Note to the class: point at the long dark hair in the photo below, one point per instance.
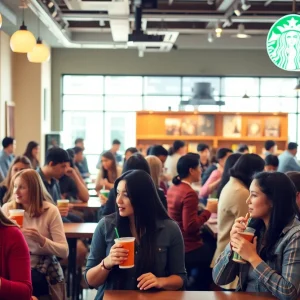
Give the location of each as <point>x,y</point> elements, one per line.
<point>148,209</point>
<point>176,146</point>
<point>281,191</point>
<point>28,152</point>
<point>114,173</point>
<point>230,162</point>
<point>136,162</point>
<point>246,166</point>
<point>185,163</point>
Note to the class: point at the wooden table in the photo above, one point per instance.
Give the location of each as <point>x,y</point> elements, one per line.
<point>136,295</point>
<point>92,203</point>
<point>93,193</point>
<point>73,232</point>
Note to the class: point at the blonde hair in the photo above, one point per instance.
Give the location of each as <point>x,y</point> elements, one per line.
<point>37,192</point>
<point>19,159</point>
<point>155,168</point>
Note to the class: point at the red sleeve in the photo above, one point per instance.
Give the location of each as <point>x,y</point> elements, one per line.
<point>18,259</point>
<point>190,220</point>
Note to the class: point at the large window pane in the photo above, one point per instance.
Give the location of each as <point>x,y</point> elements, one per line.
<point>188,84</point>
<point>273,104</point>
<point>240,104</point>
<point>121,126</point>
<point>292,127</point>
<point>278,87</point>
<point>82,102</point>
<point>86,125</point>
<point>123,85</point>
<point>161,103</point>
<point>162,85</point>
<point>81,85</point>
<point>120,103</point>
<point>236,86</point>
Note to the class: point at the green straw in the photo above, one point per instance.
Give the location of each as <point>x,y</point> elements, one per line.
<point>117,233</point>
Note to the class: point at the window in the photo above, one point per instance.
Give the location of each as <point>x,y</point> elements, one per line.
<point>102,108</point>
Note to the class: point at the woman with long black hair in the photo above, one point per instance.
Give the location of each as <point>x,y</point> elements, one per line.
<point>273,259</point>
<point>159,255</point>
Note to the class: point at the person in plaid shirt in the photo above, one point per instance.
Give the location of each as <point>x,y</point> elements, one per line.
<point>274,256</point>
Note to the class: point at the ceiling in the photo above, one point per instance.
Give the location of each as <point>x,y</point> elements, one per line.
<point>183,24</point>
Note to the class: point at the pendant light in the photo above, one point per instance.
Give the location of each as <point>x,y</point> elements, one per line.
<point>40,53</point>
<point>22,41</point>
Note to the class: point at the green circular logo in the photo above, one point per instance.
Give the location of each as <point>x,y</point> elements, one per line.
<point>283,43</point>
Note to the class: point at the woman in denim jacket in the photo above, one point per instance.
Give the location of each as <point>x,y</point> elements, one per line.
<point>274,256</point>
<point>159,248</point>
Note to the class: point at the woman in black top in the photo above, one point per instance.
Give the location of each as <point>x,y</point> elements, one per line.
<point>159,248</point>
<point>32,151</point>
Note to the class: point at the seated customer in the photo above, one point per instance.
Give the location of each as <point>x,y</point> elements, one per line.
<point>18,164</point>
<point>32,153</point>
<point>130,151</point>
<point>155,172</point>
<point>273,258</point>
<point>108,173</point>
<point>271,163</point>
<point>159,261</point>
<point>135,162</point>
<point>42,229</point>
<point>15,278</point>
<point>212,183</point>
<point>183,208</point>
<point>203,151</point>
<point>243,149</point>
<point>295,177</point>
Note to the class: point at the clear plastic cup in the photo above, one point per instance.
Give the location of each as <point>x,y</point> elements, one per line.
<point>17,215</point>
<point>63,203</point>
<point>128,243</point>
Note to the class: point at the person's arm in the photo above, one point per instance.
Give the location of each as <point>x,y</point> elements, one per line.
<point>58,244</point>
<point>284,286</point>
<point>82,193</point>
<point>293,165</point>
<point>18,286</point>
<point>225,269</point>
<point>175,265</point>
<point>190,219</point>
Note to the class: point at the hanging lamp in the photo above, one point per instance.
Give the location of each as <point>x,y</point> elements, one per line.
<point>22,41</point>
<point>40,52</point>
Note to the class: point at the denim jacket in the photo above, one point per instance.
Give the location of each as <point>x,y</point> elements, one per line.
<point>169,257</point>
<point>280,276</point>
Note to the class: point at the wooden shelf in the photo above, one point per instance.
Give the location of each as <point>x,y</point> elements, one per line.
<point>251,139</point>
<point>175,137</point>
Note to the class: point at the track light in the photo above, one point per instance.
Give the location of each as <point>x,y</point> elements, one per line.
<point>238,9</point>
<point>210,2</point>
<point>218,30</point>
<point>210,37</point>
<point>227,23</point>
<point>141,53</point>
<point>245,5</point>
<point>102,23</point>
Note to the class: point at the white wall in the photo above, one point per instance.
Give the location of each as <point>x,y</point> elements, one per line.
<point>180,62</point>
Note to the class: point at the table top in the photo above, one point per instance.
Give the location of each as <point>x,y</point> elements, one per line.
<point>177,295</point>
<point>92,203</point>
<point>79,230</point>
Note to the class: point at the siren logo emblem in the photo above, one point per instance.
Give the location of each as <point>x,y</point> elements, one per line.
<point>283,43</point>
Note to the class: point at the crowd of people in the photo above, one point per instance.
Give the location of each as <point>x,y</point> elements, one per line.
<point>152,199</point>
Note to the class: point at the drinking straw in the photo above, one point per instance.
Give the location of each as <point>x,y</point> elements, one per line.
<point>117,233</point>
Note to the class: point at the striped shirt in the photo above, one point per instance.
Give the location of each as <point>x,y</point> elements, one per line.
<point>279,276</point>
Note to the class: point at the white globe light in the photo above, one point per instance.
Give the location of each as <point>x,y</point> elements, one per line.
<point>22,41</point>
<point>39,54</point>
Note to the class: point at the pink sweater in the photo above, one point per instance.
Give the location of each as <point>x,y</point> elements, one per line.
<point>214,176</point>
<point>50,225</point>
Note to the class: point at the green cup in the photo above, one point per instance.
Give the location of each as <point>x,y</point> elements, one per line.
<point>248,235</point>
<point>104,193</point>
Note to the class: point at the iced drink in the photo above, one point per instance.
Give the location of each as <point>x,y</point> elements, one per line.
<point>63,203</point>
<point>247,236</point>
<point>17,215</point>
<point>128,243</point>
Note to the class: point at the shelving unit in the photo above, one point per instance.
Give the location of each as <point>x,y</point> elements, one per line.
<point>150,130</point>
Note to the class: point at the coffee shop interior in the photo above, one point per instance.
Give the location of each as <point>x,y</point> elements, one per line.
<point>149,149</point>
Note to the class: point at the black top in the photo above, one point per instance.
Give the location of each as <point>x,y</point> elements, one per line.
<point>110,206</point>
<point>68,187</point>
<point>204,167</point>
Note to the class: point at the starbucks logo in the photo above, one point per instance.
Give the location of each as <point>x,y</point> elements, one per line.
<point>283,43</point>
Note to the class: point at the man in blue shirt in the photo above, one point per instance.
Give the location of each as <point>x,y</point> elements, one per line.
<point>82,165</point>
<point>7,154</point>
<point>287,160</point>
